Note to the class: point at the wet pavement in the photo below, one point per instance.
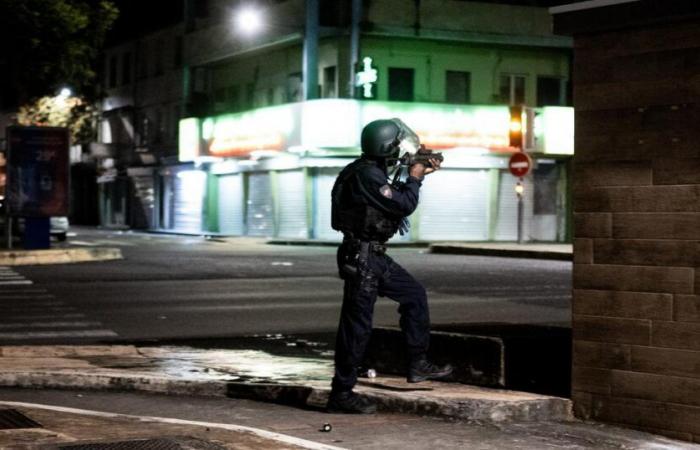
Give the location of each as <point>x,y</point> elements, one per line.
<point>256,374</point>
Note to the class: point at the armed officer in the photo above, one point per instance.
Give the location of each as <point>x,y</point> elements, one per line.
<point>369,210</point>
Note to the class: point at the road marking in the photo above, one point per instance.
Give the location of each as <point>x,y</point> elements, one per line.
<point>291,440</point>
<point>33,313</point>
<point>15,325</point>
<point>57,334</point>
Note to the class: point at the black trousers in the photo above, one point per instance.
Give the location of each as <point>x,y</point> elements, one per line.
<point>367,276</point>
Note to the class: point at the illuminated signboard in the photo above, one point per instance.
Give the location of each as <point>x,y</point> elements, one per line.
<point>367,78</point>
<point>334,125</point>
<point>259,130</point>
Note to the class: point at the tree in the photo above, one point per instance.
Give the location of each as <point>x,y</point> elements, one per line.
<point>50,43</point>
<point>73,113</point>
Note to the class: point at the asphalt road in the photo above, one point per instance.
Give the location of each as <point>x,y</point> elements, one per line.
<point>185,287</point>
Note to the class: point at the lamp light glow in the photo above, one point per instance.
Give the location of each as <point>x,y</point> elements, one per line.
<point>249,21</point>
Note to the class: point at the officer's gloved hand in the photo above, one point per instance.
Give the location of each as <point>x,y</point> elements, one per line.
<point>419,170</point>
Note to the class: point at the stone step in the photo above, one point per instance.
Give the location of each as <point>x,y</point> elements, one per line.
<point>526,358</point>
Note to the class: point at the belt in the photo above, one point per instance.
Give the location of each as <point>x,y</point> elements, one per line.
<point>368,246</point>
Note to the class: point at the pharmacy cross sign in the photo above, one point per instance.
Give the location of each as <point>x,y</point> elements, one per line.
<point>366,78</point>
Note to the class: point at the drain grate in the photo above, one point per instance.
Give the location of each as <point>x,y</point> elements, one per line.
<point>11,419</point>
<point>148,444</point>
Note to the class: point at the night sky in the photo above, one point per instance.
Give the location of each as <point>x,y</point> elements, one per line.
<point>137,17</point>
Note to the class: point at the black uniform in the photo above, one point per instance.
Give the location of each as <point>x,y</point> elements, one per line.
<point>368,210</point>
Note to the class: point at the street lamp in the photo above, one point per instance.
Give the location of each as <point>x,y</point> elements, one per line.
<point>249,21</point>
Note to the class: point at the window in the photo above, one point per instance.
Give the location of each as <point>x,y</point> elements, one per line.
<point>329,84</point>
<point>177,56</point>
<point>112,82</point>
<point>550,91</point>
<point>401,84</point>
<point>457,87</point>
<point>512,89</point>
<point>126,68</point>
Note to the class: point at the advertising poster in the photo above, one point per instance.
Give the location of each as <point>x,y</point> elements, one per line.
<point>38,171</point>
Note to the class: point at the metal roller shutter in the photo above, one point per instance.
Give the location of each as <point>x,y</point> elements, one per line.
<point>292,205</point>
<point>454,206</point>
<point>259,213</point>
<point>323,185</point>
<point>230,205</point>
<point>507,219</point>
<point>189,192</point>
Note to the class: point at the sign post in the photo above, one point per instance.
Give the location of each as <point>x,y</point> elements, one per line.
<point>520,164</point>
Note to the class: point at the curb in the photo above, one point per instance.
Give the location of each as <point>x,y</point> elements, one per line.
<point>308,396</point>
<point>510,253</point>
<point>58,256</point>
<point>322,243</point>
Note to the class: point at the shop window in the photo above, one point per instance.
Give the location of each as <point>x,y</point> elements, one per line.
<point>401,84</point>
<point>512,89</point>
<point>126,68</point>
<point>112,81</point>
<point>550,91</point>
<point>457,87</point>
<point>329,83</point>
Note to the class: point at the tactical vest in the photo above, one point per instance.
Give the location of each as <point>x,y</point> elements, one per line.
<point>358,220</point>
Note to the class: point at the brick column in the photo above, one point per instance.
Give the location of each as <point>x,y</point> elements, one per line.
<point>636,300</point>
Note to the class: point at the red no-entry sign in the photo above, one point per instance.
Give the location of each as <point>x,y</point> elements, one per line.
<point>520,164</point>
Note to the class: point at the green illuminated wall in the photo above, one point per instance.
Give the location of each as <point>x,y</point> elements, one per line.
<point>430,60</point>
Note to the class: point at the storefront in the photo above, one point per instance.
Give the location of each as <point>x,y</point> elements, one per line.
<point>269,172</point>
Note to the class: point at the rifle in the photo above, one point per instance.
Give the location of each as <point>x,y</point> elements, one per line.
<point>422,156</point>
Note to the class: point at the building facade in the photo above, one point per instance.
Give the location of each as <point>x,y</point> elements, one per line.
<point>271,116</point>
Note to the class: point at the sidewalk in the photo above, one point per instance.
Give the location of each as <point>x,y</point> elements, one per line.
<point>493,419</point>
<point>257,375</point>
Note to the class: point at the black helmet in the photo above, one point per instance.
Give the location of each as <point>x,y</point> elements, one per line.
<point>380,139</point>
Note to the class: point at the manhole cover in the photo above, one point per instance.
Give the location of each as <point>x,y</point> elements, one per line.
<point>148,444</point>
<point>11,419</point>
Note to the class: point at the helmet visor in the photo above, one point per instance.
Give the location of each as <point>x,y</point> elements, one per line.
<point>408,139</point>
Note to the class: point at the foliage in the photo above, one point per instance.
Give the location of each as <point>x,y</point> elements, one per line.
<point>48,44</point>
<point>61,111</point>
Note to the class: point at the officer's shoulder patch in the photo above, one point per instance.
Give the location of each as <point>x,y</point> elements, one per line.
<point>386,191</point>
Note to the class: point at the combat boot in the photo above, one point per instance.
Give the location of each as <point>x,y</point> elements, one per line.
<point>348,402</point>
<point>422,370</point>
